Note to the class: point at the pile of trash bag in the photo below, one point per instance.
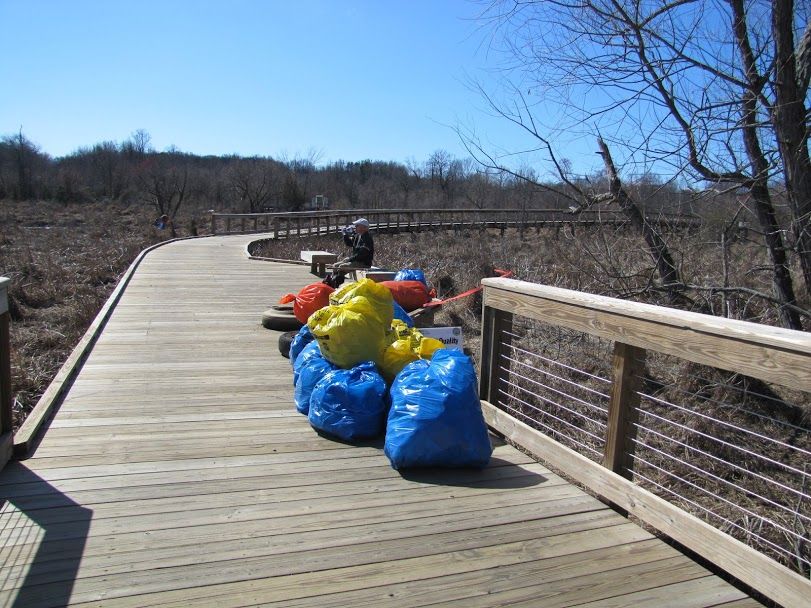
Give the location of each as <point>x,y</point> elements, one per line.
<point>309,299</point>
<point>435,418</point>
<point>350,403</point>
<point>360,341</point>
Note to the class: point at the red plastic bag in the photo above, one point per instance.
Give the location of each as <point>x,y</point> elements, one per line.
<point>411,295</point>
<point>311,298</point>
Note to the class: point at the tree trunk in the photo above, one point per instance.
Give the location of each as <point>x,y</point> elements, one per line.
<point>781,277</point>
<point>657,248</point>
<point>782,282</point>
<point>789,119</point>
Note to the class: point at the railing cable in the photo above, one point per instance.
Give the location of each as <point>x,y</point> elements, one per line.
<point>724,423</point>
<point>546,426</point>
<point>718,497</point>
<point>736,407</point>
<point>554,390</point>
<point>722,442</point>
<point>731,523</point>
<point>724,481</point>
<point>551,415</point>
<point>722,461</point>
<point>558,363</point>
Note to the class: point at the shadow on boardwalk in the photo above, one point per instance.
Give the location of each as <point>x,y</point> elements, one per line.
<point>44,536</point>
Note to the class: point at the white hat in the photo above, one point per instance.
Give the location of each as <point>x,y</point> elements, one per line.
<point>361,222</point>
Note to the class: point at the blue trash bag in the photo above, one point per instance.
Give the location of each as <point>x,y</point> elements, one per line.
<point>307,353</point>
<point>411,274</point>
<point>400,313</point>
<point>300,340</point>
<point>435,418</point>
<point>350,403</point>
<point>313,368</point>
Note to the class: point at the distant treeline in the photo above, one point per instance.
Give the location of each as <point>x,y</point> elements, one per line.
<point>132,172</point>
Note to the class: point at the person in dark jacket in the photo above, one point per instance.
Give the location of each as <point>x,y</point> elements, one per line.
<point>359,238</point>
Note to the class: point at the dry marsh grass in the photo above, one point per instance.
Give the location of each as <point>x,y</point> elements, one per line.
<point>63,262</point>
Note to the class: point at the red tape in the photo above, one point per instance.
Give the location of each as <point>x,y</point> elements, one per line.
<point>504,274</point>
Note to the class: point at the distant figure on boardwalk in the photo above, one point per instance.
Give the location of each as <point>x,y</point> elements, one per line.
<point>359,238</point>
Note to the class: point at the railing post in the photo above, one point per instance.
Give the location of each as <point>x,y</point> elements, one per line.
<point>214,223</point>
<point>6,420</point>
<point>228,224</point>
<point>494,343</point>
<point>623,408</point>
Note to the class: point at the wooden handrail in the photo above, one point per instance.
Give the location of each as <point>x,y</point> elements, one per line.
<point>770,354</point>
<point>416,218</point>
<point>6,419</point>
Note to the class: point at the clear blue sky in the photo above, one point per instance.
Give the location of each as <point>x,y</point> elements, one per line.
<point>353,79</point>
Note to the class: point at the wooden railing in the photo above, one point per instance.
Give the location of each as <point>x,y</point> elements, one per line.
<point>6,422</point>
<point>284,225</point>
<point>587,384</point>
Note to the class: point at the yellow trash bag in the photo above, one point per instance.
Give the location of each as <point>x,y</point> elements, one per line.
<point>378,295</point>
<point>408,345</point>
<point>350,333</point>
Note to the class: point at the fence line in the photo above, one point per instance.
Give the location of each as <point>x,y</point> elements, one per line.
<point>299,223</point>
<point>672,464</point>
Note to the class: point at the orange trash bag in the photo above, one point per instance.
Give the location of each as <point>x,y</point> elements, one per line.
<point>311,298</point>
<point>411,295</point>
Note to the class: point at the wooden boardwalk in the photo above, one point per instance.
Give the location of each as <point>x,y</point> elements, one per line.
<point>177,473</point>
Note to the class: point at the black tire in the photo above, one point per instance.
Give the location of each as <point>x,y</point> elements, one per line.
<point>279,320</point>
<point>284,343</point>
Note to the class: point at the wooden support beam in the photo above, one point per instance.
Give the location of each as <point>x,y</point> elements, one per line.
<point>495,338</point>
<point>623,408</point>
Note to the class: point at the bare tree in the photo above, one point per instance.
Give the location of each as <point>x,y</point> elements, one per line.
<point>256,182</point>
<point>163,183</point>
<point>18,160</point>
<point>686,86</point>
